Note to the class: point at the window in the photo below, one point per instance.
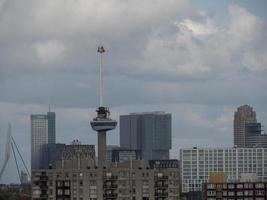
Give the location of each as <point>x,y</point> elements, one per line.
<point>60,192</point>
<point>81,183</point>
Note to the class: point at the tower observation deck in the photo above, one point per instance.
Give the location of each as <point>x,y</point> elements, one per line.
<point>102,123</point>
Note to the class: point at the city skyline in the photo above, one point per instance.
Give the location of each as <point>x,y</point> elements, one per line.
<point>201,88</point>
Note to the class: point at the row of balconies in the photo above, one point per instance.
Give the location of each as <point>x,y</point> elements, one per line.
<point>238,186</point>
<point>112,177</point>
<point>110,186</point>
<point>257,193</point>
<point>110,195</point>
<point>161,177</point>
<point>160,184</point>
<point>163,194</point>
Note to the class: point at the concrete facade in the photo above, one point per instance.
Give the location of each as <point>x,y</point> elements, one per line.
<point>123,181</point>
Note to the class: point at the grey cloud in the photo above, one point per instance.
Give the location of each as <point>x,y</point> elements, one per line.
<point>161,55</point>
<point>35,32</point>
<point>66,90</point>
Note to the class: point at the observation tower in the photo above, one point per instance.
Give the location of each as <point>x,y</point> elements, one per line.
<point>102,122</point>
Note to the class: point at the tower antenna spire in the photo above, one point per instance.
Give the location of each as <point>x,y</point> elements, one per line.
<point>101,50</point>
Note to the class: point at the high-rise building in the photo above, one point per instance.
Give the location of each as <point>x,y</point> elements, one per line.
<point>254,137</point>
<point>247,131</point>
<point>244,114</point>
<point>43,131</point>
<point>196,165</point>
<point>148,132</point>
<point>51,119</point>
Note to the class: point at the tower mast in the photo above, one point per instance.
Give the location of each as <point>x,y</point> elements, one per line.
<point>101,50</point>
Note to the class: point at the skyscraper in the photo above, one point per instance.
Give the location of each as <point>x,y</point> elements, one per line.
<point>43,131</point>
<point>243,115</point>
<point>51,119</point>
<point>254,138</point>
<point>148,132</point>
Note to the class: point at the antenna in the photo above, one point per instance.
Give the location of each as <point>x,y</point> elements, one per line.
<point>101,50</point>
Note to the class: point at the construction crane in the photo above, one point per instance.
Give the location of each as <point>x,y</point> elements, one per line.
<point>12,145</point>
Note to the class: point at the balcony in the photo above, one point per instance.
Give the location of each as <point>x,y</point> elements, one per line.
<point>110,195</point>
<point>43,187</point>
<point>161,193</point>
<point>110,186</point>
<point>161,184</point>
<point>43,196</point>
<point>110,177</point>
<point>43,178</point>
<point>161,177</point>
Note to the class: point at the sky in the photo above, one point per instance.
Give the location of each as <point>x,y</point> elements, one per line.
<point>197,59</point>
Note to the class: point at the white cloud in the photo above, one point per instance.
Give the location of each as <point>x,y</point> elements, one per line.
<point>197,28</point>
<point>208,49</point>
<point>51,51</point>
<point>244,25</point>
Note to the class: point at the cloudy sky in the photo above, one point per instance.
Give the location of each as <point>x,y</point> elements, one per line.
<point>197,59</point>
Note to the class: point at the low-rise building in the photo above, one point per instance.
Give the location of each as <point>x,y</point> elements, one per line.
<point>197,164</point>
<point>128,180</point>
<point>118,154</point>
<point>235,191</point>
<point>56,155</point>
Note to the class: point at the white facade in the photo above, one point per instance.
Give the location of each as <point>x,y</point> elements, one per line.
<point>196,164</point>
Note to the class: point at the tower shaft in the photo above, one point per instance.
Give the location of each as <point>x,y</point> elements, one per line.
<point>102,148</point>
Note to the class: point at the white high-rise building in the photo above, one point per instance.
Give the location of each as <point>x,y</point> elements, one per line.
<point>42,132</point>
<point>196,164</point>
